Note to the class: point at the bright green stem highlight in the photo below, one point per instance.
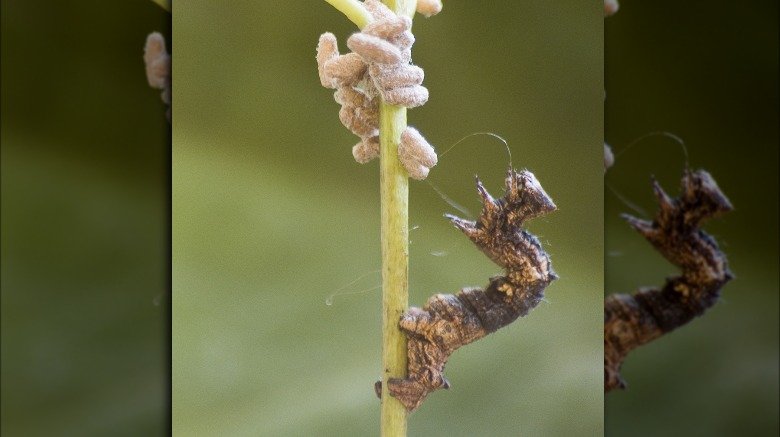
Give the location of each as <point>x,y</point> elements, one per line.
<point>165,4</point>
<point>395,262</point>
<point>354,10</point>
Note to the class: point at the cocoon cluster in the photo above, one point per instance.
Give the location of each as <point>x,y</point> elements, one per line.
<point>158,67</point>
<point>610,7</point>
<point>378,68</point>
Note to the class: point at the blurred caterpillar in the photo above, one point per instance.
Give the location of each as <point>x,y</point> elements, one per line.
<point>633,320</point>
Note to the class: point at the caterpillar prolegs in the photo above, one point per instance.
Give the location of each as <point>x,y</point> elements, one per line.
<point>447,322</point>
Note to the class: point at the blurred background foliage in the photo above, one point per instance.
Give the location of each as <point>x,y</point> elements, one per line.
<point>271,215</point>
<point>85,250</point>
<point>706,72</point>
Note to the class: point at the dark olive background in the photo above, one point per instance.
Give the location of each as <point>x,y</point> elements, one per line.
<point>706,72</point>
<point>271,215</point>
<point>85,239</point>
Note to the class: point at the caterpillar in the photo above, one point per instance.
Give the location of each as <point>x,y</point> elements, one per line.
<point>633,320</point>
<point>447,321</point>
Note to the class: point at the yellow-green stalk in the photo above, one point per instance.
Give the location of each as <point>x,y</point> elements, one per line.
<point>394,189</point>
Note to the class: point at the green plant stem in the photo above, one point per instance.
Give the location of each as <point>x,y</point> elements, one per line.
<point>354,10</point>
<point>165,4</point>
<point>402,7</point>
<point>394,188</point>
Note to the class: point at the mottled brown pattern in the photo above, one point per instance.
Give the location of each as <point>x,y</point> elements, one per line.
<point>633,320</point>
<point>447,321</point>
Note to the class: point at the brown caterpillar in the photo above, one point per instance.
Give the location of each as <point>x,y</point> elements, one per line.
<point>633,320</point>
<point>447,322</point>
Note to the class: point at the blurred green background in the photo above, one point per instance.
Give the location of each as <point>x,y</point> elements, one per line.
<point>706,72</point>
<point>85,192</point>
<point>271,215</point>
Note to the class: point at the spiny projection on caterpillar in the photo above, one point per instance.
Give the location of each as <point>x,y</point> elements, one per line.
<point>447,322</point>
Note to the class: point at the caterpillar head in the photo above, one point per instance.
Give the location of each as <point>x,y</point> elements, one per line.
<point>524,198</point>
